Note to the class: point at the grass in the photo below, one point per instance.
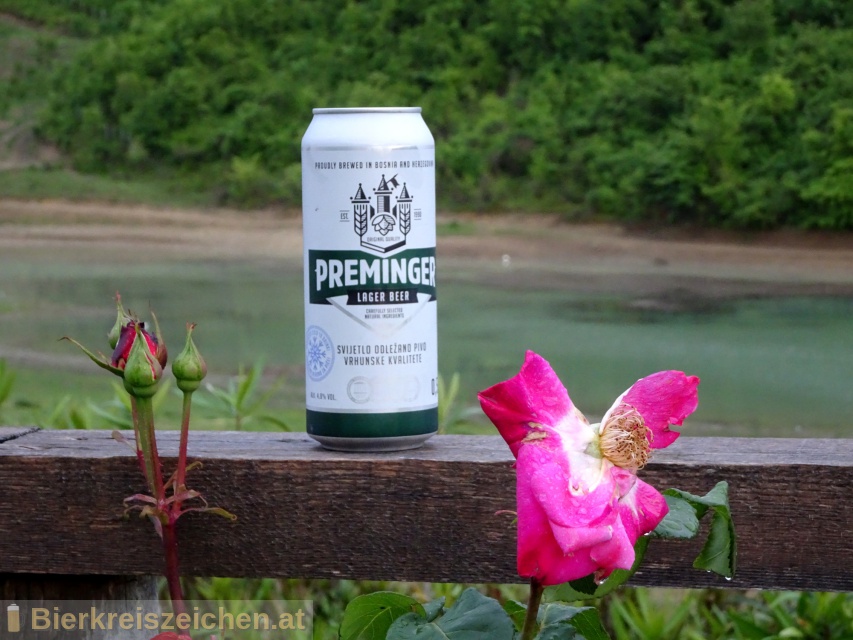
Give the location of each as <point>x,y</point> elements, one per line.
<point>66,184</point>
<point>456,228</point>
<point>46,398</point>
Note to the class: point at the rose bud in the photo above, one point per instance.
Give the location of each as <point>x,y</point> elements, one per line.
<point>127,338</point>
<point>142,369</point>
<point>189,368</point>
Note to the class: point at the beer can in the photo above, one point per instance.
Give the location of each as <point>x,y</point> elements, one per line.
<point>368,210</point>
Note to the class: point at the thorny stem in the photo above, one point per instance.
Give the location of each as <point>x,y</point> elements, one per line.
<point>173,574</point>
<point>528,632</point>
<point>145,440</point>
<point>139,457</point>
<point>170,538</point>
<point>185,434</point>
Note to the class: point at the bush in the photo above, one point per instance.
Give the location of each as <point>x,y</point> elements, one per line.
<point>722,112</point>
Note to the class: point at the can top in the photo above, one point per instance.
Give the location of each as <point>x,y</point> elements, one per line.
<point>367,110</point>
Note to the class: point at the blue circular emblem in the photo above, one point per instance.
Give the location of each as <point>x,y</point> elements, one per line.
<point>319,353</point>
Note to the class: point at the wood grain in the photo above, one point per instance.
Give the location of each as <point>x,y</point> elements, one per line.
<point>10,433</point>
<point>427,514</point>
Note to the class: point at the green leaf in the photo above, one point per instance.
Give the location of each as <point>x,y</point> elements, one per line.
<point>119,421</point>
<point>99,360</point>
<point>589,625</point>
<point>517,612</point>
<point>275,421</point>
<point>587,585</point>
<point>472,617</point>
<point>746,628</point>
<point>563,631</point>
<point>680,523</point>
<point>434,609</point>
<point>720,551</point>
<point>7,379</point>
<point>247,383</point>
<point>369,617</point>
<point>78,419</point>
<point>219,511</point>
<point>560,621</point>
<point>587,589</point>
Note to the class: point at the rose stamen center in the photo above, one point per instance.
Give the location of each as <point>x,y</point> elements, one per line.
<point>625,438</point>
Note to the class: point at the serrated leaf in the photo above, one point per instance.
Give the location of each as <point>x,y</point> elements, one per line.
<point>434,609</point>
<point>369,617</point>
<point>472,617</point>
<point>719,554</point>
<point>412,625</point>
<point>559,621</point>
<point>586,585</point>
<point>716,497</point>
<point>681,523</point>
<point>517,612</point>
<point>563,631</point>
<point>588,624</point>
<point>552,613</point>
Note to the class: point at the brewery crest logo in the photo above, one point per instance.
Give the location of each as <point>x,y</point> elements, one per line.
<point>319,353</point>
<point>384,226</point>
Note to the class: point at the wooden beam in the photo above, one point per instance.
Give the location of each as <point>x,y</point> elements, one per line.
<point>10,433</point>
<point>427,514</point>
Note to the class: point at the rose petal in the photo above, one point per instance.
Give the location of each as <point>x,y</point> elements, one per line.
<point>616,553</point>
<point>539,554</point>
<point>534,395</point>
<point>558,528</point>
<point>641,509</point>
<point>575,539</point>
<point>544,472</point>
<point>663,399</point>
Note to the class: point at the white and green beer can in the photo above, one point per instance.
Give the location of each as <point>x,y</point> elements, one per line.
<point>368,211</point>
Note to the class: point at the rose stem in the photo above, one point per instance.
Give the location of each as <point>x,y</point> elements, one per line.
<point>181,473</point>
<point>145,415</point>
<point>529,630</point>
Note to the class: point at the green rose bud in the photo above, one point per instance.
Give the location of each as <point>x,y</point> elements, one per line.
<point>142,371</point>
<point>122,318</point>
<point>189,368</point>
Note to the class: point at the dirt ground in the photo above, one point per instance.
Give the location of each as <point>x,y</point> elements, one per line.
<point>513,249</point>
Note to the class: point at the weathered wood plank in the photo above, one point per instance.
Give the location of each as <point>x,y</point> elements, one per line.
<point>427,514</point>
<point>10,433</point>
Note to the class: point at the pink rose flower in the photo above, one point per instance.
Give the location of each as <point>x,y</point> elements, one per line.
<point>581,507</point>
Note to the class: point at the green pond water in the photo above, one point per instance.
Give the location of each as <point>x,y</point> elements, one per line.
<point>769,367</point>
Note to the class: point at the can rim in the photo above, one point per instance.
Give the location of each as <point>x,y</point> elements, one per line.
<point>329,110</point>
